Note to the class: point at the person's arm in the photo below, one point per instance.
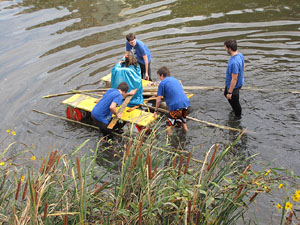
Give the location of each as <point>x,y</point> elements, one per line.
<point>145,57</point>
<point>132,92</point>
<point>158,101</point>
<point>113,109</point>
<point>232,85</point>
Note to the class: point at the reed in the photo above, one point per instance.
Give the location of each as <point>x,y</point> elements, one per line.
<point>75,189</point>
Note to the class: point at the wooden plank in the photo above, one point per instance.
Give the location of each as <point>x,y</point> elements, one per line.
<point>145,102</point>
<point>122,108</point>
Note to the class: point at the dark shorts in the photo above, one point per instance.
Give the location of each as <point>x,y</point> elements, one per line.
<point>177,117</point>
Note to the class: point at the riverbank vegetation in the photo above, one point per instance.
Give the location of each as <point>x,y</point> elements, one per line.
<point>138,182</point>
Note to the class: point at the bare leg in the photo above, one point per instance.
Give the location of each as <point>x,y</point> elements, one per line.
<point>169,130</point>
<point>185,127</point>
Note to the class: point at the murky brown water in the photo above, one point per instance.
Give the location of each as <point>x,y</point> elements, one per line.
<point>54,46</point>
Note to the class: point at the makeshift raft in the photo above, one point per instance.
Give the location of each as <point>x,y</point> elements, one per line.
<point>79,105</point>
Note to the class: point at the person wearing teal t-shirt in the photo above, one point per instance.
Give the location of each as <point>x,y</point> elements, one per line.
<point>234,76</point>
<point>172,91</point>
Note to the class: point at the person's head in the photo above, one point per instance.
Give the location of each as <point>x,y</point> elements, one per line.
<point>230,45</point>
<point>163,72</point>
<point>131,39</point>
<point>130,60</point>
<point>123,87</point>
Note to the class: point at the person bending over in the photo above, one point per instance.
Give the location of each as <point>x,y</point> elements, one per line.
<point>107,105</point>
<point>142,53</point>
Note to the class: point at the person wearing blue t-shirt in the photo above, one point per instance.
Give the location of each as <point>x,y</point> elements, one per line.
<point>172,91</point>
<point>141,52</point>
<point>234,76</point>
<point>107,105</point>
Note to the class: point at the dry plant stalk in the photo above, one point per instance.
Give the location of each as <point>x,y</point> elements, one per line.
<point>128,147</point>
<point>97,190</point>
<point>253,197</point>
<point>18,189</point>
<point>189,210</point>
<point>241,187</point>
<point>187,163</point>
<point>25,190</point>
<point>180,165</point>
<point>65,219</point>
<point>78,167</point>
<point>245,172</point>
<point>46,210</point>
<point>174,162</point>
<point>213,156</point>
<point>200,176</point>
<point>289,219</point>
<point>198,217</point>
<point>42,166</point>
<point>148,162</point>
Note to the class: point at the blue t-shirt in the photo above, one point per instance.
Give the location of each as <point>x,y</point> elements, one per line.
<point>235,65</point>
<point>172,91</point>
<point>139,50</point>
<point>101,111</point>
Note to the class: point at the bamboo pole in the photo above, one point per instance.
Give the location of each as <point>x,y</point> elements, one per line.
<point>248,88</point>
<point>128,138</point>
<point>201,121</point>
<point>149,90</point>
<point>71,92</point>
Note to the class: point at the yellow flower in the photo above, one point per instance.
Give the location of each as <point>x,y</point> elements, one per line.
<point>297,193</point>
<point>296,197</point>
<point>13,132</point>
<point>22,178</point>
<point>268,171</point>
<point>33,158</point>
<point>279,207</point>
<point>280,186</point>
<point>7,131</point>
<point>2,163</point>
<point>288,206</point>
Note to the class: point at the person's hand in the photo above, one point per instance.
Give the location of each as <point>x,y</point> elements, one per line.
<point>132,92</point>
<point>229,96</point>
<point>96,101</point>
<point>155,114</point>
<point>146,76</point>
<point>119,115</point>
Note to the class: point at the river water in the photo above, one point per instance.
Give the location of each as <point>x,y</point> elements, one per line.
<point>54,46</point>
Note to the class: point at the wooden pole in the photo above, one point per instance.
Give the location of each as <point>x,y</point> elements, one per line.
<point>173,152</point>
<point>154,88</point>
<point>200,121</point>
<point>121,110</point>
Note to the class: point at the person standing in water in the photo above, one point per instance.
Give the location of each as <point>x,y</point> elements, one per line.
<point>234,76</point>
<point>172,91</point>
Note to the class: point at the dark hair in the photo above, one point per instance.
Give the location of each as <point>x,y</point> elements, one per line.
<point>130,60</point>
<point>130,37</point>
<point>123,86</point>
<point>164,71</point>
<point>232,44</point>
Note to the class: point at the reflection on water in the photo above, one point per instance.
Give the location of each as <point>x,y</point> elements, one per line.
<point>54,46</point>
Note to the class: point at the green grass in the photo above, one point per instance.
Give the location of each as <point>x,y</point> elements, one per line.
<point>147,183</point>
